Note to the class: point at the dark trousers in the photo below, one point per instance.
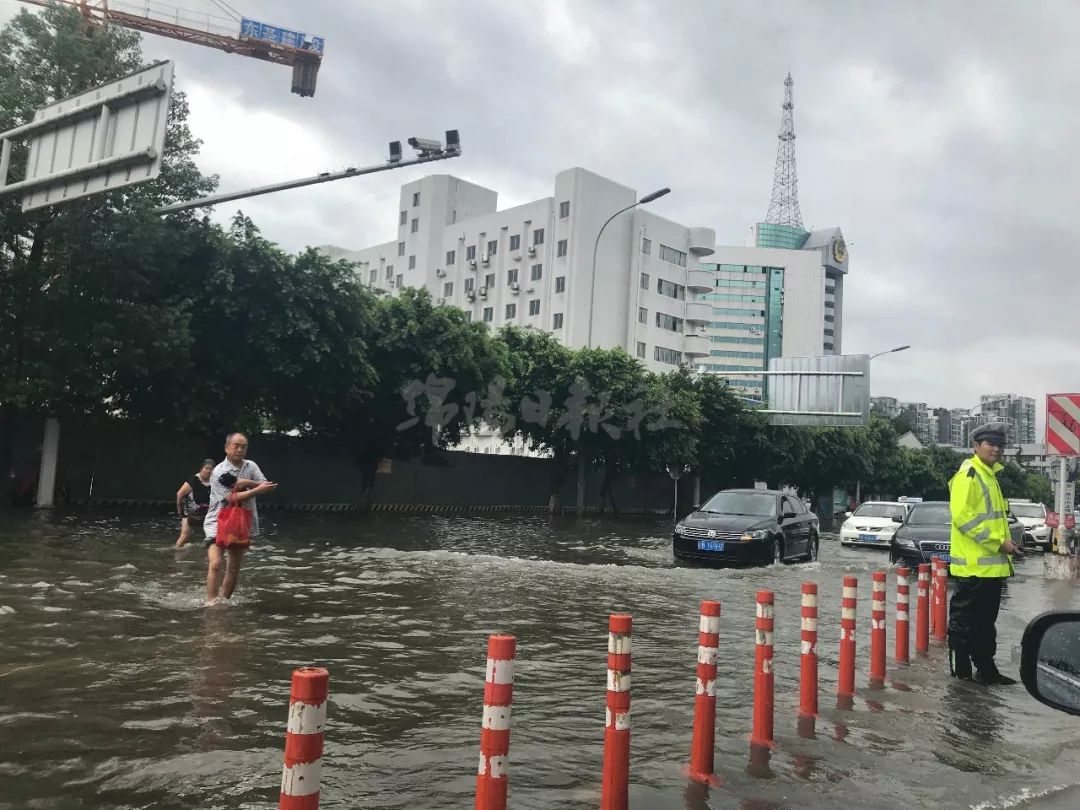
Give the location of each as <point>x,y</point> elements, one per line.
<point>972,614</point>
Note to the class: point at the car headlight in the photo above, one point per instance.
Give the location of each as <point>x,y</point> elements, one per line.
<point>757,534</point>
<point>906,542</point>
<point>679,527</point>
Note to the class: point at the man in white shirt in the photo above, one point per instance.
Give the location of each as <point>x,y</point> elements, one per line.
<point>242,476</point>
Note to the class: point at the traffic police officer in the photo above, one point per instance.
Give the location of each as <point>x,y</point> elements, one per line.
<point>979,558</point>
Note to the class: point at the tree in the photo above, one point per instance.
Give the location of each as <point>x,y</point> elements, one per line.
<point>723,430</point>
<point>77,300</point>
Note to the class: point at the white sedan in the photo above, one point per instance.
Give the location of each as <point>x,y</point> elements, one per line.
<point>872,524</point>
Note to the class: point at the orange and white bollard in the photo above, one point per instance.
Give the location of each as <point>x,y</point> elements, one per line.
<point>877,629</point>
<point>846,684</point>
<point>615,787</point>
<point>491,777</point>
<point>902,632</point>
<point>808,674</point>
<point>304,739</point>
<point>762,734</point>
<point>941,605</point>
<point>704,743</point>
<point>922,611</point>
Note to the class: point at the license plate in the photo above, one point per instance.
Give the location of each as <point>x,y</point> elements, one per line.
<point>868,538</point>
<point>710,545</point>
<point>941,555</point>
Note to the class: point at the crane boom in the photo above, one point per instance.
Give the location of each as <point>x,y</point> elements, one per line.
<point>305,63</point>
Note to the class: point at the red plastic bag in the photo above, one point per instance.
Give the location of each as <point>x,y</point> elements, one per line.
<point>234,526</point>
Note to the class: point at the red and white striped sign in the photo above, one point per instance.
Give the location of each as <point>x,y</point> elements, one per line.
<point>1063,424</point>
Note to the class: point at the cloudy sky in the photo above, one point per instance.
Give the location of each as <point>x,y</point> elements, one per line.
<point>940,136</point>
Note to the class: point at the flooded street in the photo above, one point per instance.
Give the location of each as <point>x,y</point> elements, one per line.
<point>119,689</point>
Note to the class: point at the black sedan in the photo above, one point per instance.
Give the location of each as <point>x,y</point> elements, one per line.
<point>747,526</point>
<point>926,531</point>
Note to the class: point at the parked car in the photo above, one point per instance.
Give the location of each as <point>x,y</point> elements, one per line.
<point>1033,518</point>
<point>872,524</point>
<point>925,532</point>
<point>748,526</point>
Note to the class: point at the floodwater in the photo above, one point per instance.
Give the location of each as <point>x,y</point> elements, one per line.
<point>119,689</point>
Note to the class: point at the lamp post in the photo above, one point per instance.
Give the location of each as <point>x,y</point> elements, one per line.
<point>890,351</point>
<point>648,198</point>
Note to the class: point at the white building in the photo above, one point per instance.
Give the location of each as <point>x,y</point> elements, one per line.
<point>1017,411</point>
<point>664,291</point>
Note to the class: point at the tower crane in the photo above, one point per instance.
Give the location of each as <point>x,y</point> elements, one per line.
<point>253,38</point>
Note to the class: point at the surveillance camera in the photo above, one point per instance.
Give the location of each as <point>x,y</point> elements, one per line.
<point>426,146</point>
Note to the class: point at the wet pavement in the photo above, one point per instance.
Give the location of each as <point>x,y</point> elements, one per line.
<point>119,689</point>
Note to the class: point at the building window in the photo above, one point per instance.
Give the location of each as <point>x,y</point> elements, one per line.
<point>830,304</point>
<point>489,314</point>
<point>669,356</point>
<point>560,284</point>
<point>400,282</point>
<point>669,322</point>
<point>561,248</point>
<point>564,209</point>
<point>451,257</point>
<point>642,315</point>
<point>400,248</point>
<point>515,242</point>
<point>470,253</point>
<point>669,254</point>
<point>534,306</point>
<point>538,236</point>
<point>448,289</point>
<point>678,291</point>
<point>740,355</point>
<point>537,272</point>
<point>556,321</point>
<point>511,311</point>
<point>468,316</point>
<point>389,271</point>
<point>469,285</point>
<point>404,218</point>
<point>644,281</point>
<point>646,245</point>
<point>641,350</point>
<point>829,332</point>
<point>374,275</point>
<point>489,280</point>
<point>412,262</point>
<point>830,319</point>
<point>512,276</point>
<point>415,199</point>
<point>415,225</point>
<point>493,247</point>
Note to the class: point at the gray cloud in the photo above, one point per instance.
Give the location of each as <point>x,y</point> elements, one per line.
<point>938,136</point>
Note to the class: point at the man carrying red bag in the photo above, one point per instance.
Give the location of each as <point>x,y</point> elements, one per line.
<point>233,517</point>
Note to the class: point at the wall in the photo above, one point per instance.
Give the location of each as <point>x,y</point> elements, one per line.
<point>118,461</point>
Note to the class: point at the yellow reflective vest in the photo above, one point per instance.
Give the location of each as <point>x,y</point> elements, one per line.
<point>980,522</point>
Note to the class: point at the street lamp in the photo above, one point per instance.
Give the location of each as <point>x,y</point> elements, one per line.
<point>648,198</point>
<point>890,351</point>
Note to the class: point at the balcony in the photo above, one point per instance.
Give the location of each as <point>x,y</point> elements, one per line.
<point>702,241</point>
<point>698,312</point>
<point>699,281</point>
<point>695,344</point>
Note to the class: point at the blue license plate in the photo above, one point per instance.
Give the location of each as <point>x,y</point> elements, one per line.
<point>710,545</point>
<point>941,555</point>
<point>868,538</point>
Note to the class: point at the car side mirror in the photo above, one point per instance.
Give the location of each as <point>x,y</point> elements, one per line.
<point>847,514</point>
<point>897,519</point>
<point>695,507</point>
<point>1050,660</point>
<point>788,516</point>
<point>1013,518</point>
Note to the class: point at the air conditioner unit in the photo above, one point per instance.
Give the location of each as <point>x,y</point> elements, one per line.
<point>486,259</point>
<point>517,257</point>
<point>530,289</point>
<point>515,286</point>
<point>532,250</point>
<point>440,272</point>
<point>483,292</point>
<point>472,263</point>
<point>471,295</point>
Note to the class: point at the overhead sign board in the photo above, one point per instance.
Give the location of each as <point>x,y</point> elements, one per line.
<point>1063,424</point>
<point>104,139</point>
<point>826,391</point>
<point>255,29</point>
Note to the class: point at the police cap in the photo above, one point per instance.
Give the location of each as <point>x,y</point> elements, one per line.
<point>993,432</point>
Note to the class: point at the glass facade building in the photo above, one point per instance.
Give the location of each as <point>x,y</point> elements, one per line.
<point>787,237</point>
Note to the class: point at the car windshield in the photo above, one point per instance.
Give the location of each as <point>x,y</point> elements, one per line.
<point>879,510</point>
<point>742,503</point>
<point>1028,510</point>
<point>930,514</point>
